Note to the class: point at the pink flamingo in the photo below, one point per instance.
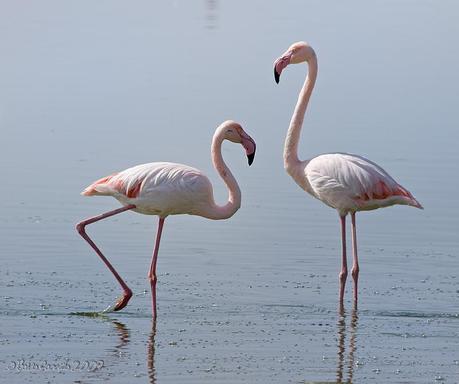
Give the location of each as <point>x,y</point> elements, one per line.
<point>165,189</point>
<point>348,183</point>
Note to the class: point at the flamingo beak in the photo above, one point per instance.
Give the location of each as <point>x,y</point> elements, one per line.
<point>250,158</point>
<point>276,75</point>
<point>280,64</point>
<point>250,147</point>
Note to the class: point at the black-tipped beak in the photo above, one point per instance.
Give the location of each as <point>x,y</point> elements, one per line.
<point>250,158</point>
<point>250,147</point>
<point>276,75</point>
<point>281,63</point>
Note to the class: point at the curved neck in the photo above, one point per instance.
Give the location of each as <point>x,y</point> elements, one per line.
<point>296,123</point>
<point>217,212</point>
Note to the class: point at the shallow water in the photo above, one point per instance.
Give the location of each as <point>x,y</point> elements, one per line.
<point>92,88</point>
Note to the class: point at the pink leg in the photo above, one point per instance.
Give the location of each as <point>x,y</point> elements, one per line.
<point>152,272</point>
<point>123,300</point>
<point>355,265</point>
<point>343,273</point>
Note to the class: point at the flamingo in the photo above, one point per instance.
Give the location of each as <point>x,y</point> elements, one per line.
<point>343,181</point>
<point>164,189</point>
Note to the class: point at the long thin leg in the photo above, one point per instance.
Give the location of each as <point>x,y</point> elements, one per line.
<point>355,264</point>
<point>343,273</point>
<point>80,227</point>
<point>152,272</point>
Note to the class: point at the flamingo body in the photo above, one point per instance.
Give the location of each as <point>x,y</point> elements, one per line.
<point>351,183</point>
<point>159,188</point>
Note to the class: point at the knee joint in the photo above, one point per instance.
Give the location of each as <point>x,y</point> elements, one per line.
<point>355,272</point>
<point>152,277</point>
<point>80,227</point>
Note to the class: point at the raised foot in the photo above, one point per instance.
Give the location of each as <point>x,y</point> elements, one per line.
<point>120,303</point>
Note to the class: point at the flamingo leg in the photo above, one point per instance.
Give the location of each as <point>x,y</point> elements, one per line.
<point>80,227</point>
<point>343,273</point>
<point>152,272</point>
<point>355,264</point>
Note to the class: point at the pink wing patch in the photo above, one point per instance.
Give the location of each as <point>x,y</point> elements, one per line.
<point>110,184</point>
<point>381,191</point>
<point>134,190</point>
<point>400,191</point>
<point>130,189</point>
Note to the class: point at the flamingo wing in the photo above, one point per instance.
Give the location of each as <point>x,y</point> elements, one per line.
<point>351,183</point>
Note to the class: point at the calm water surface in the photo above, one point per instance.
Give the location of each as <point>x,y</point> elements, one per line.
<point>90,88</point>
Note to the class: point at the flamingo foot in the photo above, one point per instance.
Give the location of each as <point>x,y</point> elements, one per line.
<point>120,303</point>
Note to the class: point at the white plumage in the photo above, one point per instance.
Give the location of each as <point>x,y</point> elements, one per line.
<point>159,188</point>
<point>352,183</point>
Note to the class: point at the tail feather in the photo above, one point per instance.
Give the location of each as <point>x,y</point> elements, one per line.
<point>415,203</point>
<point>411,200</point>
<point>88,191</point>
<point>100,187</point>
<point>384,194</point>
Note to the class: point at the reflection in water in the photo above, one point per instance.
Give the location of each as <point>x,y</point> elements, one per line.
<point>124,337</point>
<point>211,14</point>
<point>121,329</point>
<point>342,346</point>
<point>151,353</point>
<point>123,333</point>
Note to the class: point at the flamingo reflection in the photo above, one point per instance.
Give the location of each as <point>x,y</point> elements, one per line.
<point>151,354</point>
<point>340,371</point>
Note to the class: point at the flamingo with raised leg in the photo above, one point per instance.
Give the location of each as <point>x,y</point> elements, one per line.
<point>165,189</point>
<point>345,182</point>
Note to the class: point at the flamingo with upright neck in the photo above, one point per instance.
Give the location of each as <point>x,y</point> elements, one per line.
<point>345,182</point>
<point>165,189</point>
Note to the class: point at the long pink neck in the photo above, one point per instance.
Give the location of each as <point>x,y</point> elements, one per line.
<point>217,212</point>
<point>291,161</point>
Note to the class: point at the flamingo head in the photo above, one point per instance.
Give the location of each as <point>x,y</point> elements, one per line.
<point>297,53</point>
<point>233,132</point>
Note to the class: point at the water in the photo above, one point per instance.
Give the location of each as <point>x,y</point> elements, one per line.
<point>88,89</point>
